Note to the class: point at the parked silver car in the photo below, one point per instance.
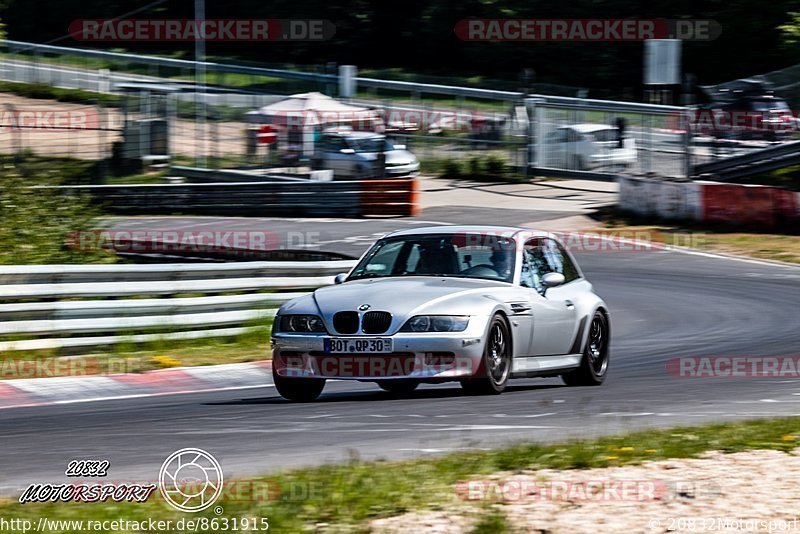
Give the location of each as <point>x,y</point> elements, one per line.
<point>586,146</point>
<point>472,304</point>
<point>355,155</point>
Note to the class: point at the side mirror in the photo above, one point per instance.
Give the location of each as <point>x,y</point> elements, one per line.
<point>552,280</point>
<point>341,277</point>
<point>347,151</point>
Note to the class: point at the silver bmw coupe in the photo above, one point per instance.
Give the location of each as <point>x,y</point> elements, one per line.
<point>474,304</point>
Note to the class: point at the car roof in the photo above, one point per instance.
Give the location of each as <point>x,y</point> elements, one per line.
<point>587,127</point>
<point>352,134</point>
<point>505,231</point>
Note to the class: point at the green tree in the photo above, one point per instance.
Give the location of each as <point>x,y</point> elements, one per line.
<point>36,223</point>
<point>790,34</point>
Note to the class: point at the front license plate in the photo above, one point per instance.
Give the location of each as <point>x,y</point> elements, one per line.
<point>361,345</point>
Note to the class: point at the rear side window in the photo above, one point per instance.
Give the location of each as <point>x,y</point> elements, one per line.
<point>573,136</point>
<point>557,136</point>
<point>333,143</point>
<point>606,135</point>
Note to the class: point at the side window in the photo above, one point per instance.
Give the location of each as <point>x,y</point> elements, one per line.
<point>558,261</point>
<point>533,265</point>
<point>556,136</point>
<point>573,136</point>
<point>333,143</point>
<point>528,276</point>
<point>546,256</point>
<point>570,271</point>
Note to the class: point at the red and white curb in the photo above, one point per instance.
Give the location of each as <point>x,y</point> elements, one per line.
<point>66,390</point>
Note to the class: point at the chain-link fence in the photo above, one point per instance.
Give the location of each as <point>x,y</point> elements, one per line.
<point>609,137</point>
<point>57,129</point>
<point>117,106</point>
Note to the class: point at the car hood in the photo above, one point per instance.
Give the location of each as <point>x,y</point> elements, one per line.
<point>402,296</point>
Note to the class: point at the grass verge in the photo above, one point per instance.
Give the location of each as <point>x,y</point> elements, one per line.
<point>705,236</point>
<point>345,497</point>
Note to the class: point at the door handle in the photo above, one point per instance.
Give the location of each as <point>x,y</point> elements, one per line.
<point>569,304</point>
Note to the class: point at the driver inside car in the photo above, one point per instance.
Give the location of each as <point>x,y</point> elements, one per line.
<point>501,262</point>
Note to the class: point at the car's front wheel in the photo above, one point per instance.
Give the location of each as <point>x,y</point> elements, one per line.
<point>298,389</point>
<point>594,364</point>
<point>495,367</point>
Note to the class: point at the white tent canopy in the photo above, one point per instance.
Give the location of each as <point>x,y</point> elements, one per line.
<point>310,109</point>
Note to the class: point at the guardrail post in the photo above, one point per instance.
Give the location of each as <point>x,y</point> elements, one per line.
<point>687,144</point>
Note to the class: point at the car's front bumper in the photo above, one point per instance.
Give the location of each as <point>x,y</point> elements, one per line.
<point>408,169</point>
<point>430,356</point>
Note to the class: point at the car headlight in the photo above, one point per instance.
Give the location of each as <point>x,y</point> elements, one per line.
<point>301,323</point>
<point>436,323</point>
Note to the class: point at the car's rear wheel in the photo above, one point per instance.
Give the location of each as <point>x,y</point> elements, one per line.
<point>298,389</point>
<point>398,387</point>
<point>496,364</point>
<point>594,364</point>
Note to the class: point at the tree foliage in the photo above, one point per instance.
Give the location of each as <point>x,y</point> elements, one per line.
<point>37,223</point>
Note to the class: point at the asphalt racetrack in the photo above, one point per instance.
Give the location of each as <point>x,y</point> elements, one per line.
<point>664,304</point>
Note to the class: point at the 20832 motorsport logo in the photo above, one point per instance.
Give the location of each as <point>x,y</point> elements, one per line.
<point>190,480</point>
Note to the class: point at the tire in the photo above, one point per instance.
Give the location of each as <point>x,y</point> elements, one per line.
<point>594,364</point>
<point>495,366</point>
<point>398,387</point>
<point>298,389</point>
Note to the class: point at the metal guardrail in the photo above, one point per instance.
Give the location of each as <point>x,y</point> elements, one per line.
<point>228,175</point>
<point>755,162</point>
<point>374,83</point>
<point>65,274</point>
<point>430,88</point>
<point>124,319</point>
<point>20,46</point>
<point>614,106</point>
<point>313,199</point>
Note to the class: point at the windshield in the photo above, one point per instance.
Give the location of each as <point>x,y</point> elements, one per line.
<point>370,144</point>
<point>770,105</point>
<point>463,255</point>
